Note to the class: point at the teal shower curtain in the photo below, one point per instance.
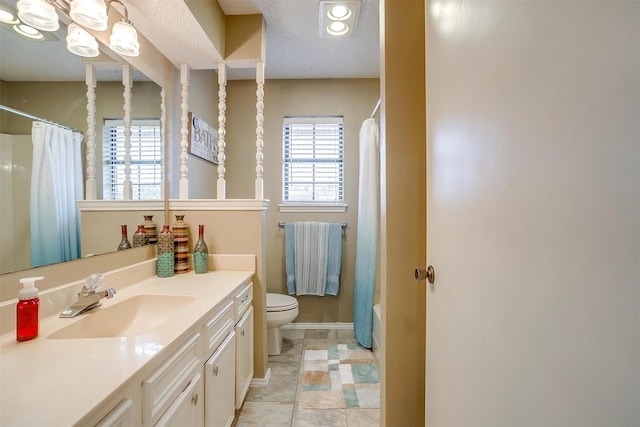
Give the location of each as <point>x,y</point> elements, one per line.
<point>367,236</point>
<point>56,184</point>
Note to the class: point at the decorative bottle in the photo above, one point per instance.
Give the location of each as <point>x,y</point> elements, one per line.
<point>181,232</point>
<point>124,243</point>
<point>165,248</point>
<point>140,237</point>
<point>200,253</point>
<point>27,321</point>
<point>151,229</point>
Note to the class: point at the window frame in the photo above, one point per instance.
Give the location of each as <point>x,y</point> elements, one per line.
<point>327,156</point>
<point>108,160</point>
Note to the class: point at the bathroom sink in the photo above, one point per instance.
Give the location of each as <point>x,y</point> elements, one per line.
<point>134,316</point>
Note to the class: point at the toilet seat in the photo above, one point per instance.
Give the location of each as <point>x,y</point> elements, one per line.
<point>279,302</point>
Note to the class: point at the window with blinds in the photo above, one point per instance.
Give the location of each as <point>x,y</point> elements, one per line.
<point>146,159</point>
<point>313,160</point>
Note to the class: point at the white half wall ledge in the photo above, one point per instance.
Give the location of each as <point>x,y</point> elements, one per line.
<point>218,205</point>
<point>120,205</point>
<point>330,325</point>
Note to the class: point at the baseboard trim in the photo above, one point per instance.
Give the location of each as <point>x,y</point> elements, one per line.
<point>261,382</point>
<point>334,325</point>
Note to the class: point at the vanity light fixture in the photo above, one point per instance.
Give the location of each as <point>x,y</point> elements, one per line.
<point>38,14</point>
<point>80,42</point>
<point>92,14</point>
<point>338,18</point>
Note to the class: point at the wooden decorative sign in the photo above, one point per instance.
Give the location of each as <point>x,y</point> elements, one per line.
<point>203,139</point>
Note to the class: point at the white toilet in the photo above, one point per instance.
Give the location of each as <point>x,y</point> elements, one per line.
<point>281,309</point>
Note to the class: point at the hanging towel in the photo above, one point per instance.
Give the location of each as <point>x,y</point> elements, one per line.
<point>289,255</point>
<point>313,258</point>
<point>334,259</point>
<point>311,250</point>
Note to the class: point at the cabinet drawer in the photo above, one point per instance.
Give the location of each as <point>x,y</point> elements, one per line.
<point>187,409</point>
<point>243,300</point>
<point>166,383</point>
<point>219,326</point>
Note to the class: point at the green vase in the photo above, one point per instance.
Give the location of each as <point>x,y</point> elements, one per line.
<point>201,253</point>
<point>165,261</point>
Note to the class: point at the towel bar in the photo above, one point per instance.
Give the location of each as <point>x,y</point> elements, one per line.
<point>281,224</point>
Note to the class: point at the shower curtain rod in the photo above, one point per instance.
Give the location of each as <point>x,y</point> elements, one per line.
<point>31,116</point>
<point>281,225</point>
<point>375,109</point>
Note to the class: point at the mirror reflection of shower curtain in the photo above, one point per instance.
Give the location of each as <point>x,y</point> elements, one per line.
<point>367,238</point>
<point>56,184</point>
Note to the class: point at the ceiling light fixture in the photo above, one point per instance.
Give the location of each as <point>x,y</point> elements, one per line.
<point>7,17</point>
<point>338,18</point>
<point>337,28</point>
<point>28,32</point>
<point>92,14</point>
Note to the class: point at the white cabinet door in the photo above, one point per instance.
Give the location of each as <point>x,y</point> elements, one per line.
<point>187,409</point>
<point>244,356</point>
<point>219,384</point>
<point>120,416</point>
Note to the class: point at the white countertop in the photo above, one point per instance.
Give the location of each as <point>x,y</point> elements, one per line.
<point>47,382</point>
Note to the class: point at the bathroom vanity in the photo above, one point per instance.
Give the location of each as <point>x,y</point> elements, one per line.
<point>164,351</point>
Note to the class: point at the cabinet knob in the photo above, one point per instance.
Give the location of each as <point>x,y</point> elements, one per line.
<point>215,371</point>
<point>194,399</point>
<point>242,332</point>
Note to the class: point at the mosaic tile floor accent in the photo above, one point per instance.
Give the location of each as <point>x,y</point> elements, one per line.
<point>339,376</point>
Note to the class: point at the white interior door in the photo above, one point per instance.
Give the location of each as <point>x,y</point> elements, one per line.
<point>533,210</point>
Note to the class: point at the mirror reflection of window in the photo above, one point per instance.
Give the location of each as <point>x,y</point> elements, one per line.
<point>146,159</point>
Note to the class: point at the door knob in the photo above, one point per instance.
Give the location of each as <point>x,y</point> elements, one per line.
<point>429,274</point>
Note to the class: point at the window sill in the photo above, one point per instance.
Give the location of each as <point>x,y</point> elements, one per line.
<point>312,207</point>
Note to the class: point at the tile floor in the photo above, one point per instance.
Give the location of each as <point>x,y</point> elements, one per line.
<point>278,404</point>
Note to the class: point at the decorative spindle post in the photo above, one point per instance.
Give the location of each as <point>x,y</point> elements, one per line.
<point>259,129</point>
<point>222,119</point>
<point>127,189</point>
<point>90,185</point>
<point>163,142</point>
<point>184,132</point>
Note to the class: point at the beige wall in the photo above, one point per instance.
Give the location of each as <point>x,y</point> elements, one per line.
<point>100,231</point>
<point>203,91</point>
<point>403,204</point>
<point>353,99</point>
<point>15,176</point>
<point>238,232</point>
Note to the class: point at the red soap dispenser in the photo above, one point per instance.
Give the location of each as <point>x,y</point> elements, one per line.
<point>27,310</point>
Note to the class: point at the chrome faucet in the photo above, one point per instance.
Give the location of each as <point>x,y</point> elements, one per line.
<point>88,298</point>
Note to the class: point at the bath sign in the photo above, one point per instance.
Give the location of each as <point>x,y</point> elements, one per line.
<point>203,139</point>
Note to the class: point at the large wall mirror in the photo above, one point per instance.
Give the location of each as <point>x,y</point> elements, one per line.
<point>43,79</point>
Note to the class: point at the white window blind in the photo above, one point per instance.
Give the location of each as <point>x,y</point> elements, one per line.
<point>146,159</point>
<point>313,160</point>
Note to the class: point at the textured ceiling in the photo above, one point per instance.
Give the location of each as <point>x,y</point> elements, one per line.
<point>294,47</point>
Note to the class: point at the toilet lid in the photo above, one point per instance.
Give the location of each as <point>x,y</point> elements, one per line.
<point>279,302</point>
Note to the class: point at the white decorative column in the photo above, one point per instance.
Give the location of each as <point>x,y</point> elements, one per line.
<point>163,146</point>
<point>90,184</point>
<point>127,82</point>
<point>222,120</point>
<point>259,129</point>
<point>184,132</point>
